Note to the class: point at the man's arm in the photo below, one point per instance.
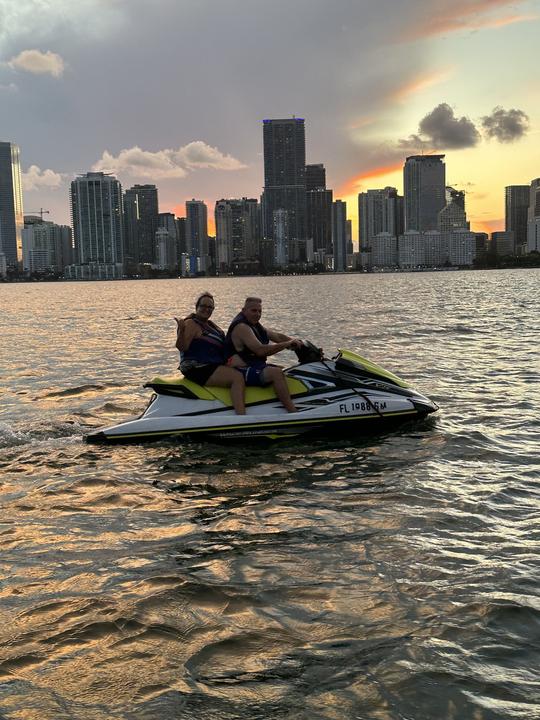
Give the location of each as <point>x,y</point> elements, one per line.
<point>243,336</point>
<point>280,337</point>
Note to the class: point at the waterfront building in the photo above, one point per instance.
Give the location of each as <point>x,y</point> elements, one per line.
<point>140,223</point>
<point>11,204</point>
<point>350,248</point>
<point>285,181</point>
<point>197,233</point>
<point>319,220</point>
<point>481,243</point>
<point>166,250</point>
<point>47,247</point>
<point>384,250</point>
<point>516,208</point>
<point>181,235</point>
<point>424,191</point>
<point>533,217</point>
<point>97,220</point>
<point>237,232</point>
<point>280,234</point>
<point>339,235</point>
<point>435,249</point>
<point>503,242</point>
<point>379,211</point>
<point>461,245</point>
<point>456,196</point>
<point>453,216</point>
<point>167,243</point>
<point>315,177</point>
<point>411,249</point>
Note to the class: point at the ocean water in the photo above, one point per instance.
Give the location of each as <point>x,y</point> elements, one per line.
<point>378,578</point>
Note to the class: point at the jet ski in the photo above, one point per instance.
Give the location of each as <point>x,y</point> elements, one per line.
<point>345,393</point>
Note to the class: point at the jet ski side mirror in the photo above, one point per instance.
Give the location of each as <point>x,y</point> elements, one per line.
<point>308,352</point>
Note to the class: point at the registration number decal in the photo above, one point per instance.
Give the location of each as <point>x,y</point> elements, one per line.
<point>354,406</point>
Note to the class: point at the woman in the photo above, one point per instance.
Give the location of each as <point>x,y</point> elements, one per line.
<point>203,353</point>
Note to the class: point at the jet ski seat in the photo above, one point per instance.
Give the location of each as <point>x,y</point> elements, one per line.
<point>186,388</point>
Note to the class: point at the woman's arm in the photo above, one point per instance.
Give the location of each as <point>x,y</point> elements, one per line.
<point>187,331</point>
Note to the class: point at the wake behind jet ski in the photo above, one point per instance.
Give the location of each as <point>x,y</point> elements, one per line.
<point>348,393</point>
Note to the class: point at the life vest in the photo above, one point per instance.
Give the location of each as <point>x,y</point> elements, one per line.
<point>208,348</point>
<point>246,354</point>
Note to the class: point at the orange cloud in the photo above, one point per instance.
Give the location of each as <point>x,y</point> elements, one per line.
<point>418,84</point>
<point>466,15</point>
<point>355,184</point>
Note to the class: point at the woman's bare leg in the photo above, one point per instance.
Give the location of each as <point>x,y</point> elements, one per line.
<point>227,377</point>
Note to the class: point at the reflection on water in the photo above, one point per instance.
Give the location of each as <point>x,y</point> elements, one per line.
<point>384,577</point>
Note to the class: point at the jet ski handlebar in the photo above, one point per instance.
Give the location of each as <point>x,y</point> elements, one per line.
<point>308,352</point>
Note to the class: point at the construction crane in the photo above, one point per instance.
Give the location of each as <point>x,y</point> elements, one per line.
<point>41,212</point>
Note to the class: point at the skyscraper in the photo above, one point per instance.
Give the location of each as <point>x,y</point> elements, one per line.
<point>141,222</point>
<point>315,177</point>
<point>533,217</point>
<point>379,211</point>
<point>11,204</point>
<point>339,235</point>
<point>516,207</point>
<point>237,231</point>
<point>424,190</point>
<point>197,231</point>
<point>285,181</point>
<point>96,212</point>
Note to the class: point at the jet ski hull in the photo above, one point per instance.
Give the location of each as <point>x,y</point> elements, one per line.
<point>347,395</point>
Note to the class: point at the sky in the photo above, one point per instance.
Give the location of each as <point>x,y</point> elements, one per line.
<point>173,92</point>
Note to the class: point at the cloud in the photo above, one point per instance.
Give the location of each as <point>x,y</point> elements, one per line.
<point>38,63</point>
<point>441,129</point>
<point>167,163</point>
<point>35,178</point>
<point>506,126</point>
<point>468,15</point>
<point>10,87</point>
<point>360,182</point>
<point>419,83</point>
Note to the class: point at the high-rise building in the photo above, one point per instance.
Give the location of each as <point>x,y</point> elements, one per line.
<point>453,195</point>
<point>533,217</point>
<point>319,220</point>
<point>452,216</point>
<point>424,184</point>
<point>237,232</point>
<point>285,181</point>
<point>11,204</point>
<point>167,242</point>
<point>339,235</point>
<point>197,232</point>
<point>140,223</point>
<point>47,247</point>
<point>315,177</point>
<point>281,238</point>
<point>503,242</point>
<point>97,214</point>
<point>516,208</point>
<point>379,211</point>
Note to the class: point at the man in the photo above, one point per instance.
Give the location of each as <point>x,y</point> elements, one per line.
<point>250,344</point>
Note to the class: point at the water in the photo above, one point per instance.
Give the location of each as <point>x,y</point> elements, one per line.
<point>390,577</point>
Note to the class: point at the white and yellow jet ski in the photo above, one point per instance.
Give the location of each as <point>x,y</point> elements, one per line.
<point>346,393</point>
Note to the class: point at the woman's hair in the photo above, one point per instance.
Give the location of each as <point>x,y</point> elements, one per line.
<point>201,296</point>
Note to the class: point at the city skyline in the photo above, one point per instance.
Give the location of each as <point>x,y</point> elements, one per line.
<point>375,84</point>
